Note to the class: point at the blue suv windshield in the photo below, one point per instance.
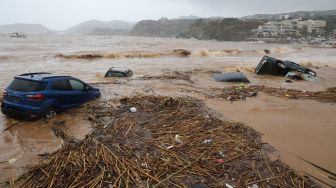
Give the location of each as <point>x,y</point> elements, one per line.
<point>27,85</point>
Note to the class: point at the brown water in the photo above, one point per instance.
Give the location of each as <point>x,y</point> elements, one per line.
<point>296,128</point>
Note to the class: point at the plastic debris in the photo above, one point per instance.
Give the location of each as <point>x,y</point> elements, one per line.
<point>208,141</point>
<point>12,161</point>
<point>228,185</point>
<point>178,140</point>
<point>133,109</point>
<point>254,186</point>
<point>220,161</point>
<point>242,86</point>
<point>253,93</point>
<point>169,147</point>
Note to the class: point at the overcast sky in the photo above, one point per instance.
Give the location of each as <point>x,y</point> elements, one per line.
<point>61,14</point>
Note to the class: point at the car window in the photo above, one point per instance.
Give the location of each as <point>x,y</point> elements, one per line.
<point>115,74</point>
<point>62,85</point>
<point>27,85</point>
<point>77,85</point>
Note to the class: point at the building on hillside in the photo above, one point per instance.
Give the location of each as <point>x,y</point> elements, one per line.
<point>290,28</point>
<point>281,29</point>
<point>316,26</point>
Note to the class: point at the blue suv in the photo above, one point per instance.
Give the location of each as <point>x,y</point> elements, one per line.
<point>35,95</point>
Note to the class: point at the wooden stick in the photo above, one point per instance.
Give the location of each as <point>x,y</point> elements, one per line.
<point>173,174</point>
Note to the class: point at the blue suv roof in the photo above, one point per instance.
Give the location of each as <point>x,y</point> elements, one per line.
<point>39,76</point>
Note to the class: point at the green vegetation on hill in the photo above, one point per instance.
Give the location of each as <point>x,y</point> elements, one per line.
<point>161,28</point>
<point>228,29</point>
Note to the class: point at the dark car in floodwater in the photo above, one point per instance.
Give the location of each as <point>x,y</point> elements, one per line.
<point>273,66</point>
<point>35,95</point>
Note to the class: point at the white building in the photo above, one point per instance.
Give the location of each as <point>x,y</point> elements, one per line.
<point>289,28</point>
<point>283,28</point>
<point>312,25</point>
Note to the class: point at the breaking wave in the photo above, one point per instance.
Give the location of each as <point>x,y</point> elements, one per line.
<point>282,50</point>
<point>175,52</point>
<point>214,53</point>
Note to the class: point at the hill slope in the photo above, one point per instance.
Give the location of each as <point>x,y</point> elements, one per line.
<point>96,27</point>
<point>162,27</point>
<point>228,29</point>
<point>26,28</point>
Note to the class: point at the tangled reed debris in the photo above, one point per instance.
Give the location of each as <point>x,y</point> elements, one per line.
<point>235,93</point>
<point>176,75</point>
<point>138,150</point>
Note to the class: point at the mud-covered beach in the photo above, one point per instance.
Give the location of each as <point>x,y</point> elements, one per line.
<point>297,119</point>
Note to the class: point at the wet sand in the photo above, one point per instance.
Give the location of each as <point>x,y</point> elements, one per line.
<point>296,128</point>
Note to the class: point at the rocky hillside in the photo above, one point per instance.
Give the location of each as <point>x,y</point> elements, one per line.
<point>25,28</point>
<point>228,29</point>
<point>162,27</point>
<point>96,27</point>
<point>296,14</point>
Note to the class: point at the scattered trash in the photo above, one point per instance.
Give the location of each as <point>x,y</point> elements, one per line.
<point>178,140</point>
<point>254,186</point>
<point>273,66</point>
<point>133,109</point>
<point>117,72</point>
<point>169,147</point>
<point>233,94</point>
<point>241,86</point>
<point>12,161</point>
<point>231,77</point>
<point>220,161</point>
<point>208,141</point>
<point>252,93</point>
<point>228,185</point>
<point>221,153</point>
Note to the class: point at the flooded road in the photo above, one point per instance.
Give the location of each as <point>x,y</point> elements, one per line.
<point>296,128</point>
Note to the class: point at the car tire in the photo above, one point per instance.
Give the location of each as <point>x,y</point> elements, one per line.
<point>50,113</point>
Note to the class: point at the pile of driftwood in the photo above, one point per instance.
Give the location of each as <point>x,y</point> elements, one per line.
<point>151,141</point>
<point>176,75</point>
<point>241,92</point>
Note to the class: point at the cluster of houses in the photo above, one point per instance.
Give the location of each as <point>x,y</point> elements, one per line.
<point>295,28</point>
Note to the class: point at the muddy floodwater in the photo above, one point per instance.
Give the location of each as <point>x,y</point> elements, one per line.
<point>297,129</point>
